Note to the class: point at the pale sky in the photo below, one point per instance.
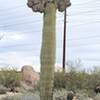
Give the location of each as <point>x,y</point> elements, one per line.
<point>22,31</point>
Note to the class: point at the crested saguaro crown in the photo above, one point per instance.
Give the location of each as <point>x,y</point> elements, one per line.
<point>39,5</point>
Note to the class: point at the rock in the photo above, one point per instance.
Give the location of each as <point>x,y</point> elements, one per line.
<point>90,99</point>
<point>29,76</point>
<point>25,87</point>
<point>97,97</point>
<point>3,89</point>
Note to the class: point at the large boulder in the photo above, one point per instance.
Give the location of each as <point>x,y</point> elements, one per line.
<point>29,76</point>
<point>3,89</point>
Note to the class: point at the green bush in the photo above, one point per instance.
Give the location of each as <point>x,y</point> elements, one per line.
<point>9,77</point>
<point>77,80</point>
<point>59,80</point>
<point>60,94</point>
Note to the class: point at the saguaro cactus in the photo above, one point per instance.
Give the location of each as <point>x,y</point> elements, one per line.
<point>40,5</point>
<point>48,52</point>
<point>48,49</point>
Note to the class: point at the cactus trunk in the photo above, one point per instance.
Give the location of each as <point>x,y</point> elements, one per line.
<point>48,52</point>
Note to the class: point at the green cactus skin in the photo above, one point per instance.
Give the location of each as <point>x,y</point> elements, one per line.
<point>48,52</point>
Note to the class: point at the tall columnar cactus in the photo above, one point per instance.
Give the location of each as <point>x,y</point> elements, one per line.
<point>48,52</point>
<point>40,5</point>
<point>48,49</point>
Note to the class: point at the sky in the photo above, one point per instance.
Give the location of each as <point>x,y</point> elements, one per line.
<point>21,30</point>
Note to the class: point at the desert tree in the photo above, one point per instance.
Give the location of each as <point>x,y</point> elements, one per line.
<point>48,48</point>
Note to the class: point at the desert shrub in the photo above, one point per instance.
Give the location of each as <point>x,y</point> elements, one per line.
<point>60,94</point>
<point>77,80</point>
<point>82,95</point>
<point>3,89</point>
<point>9,77</point>
<point>24,97</point>
<point>71,81</point>
<point>59,80</point>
